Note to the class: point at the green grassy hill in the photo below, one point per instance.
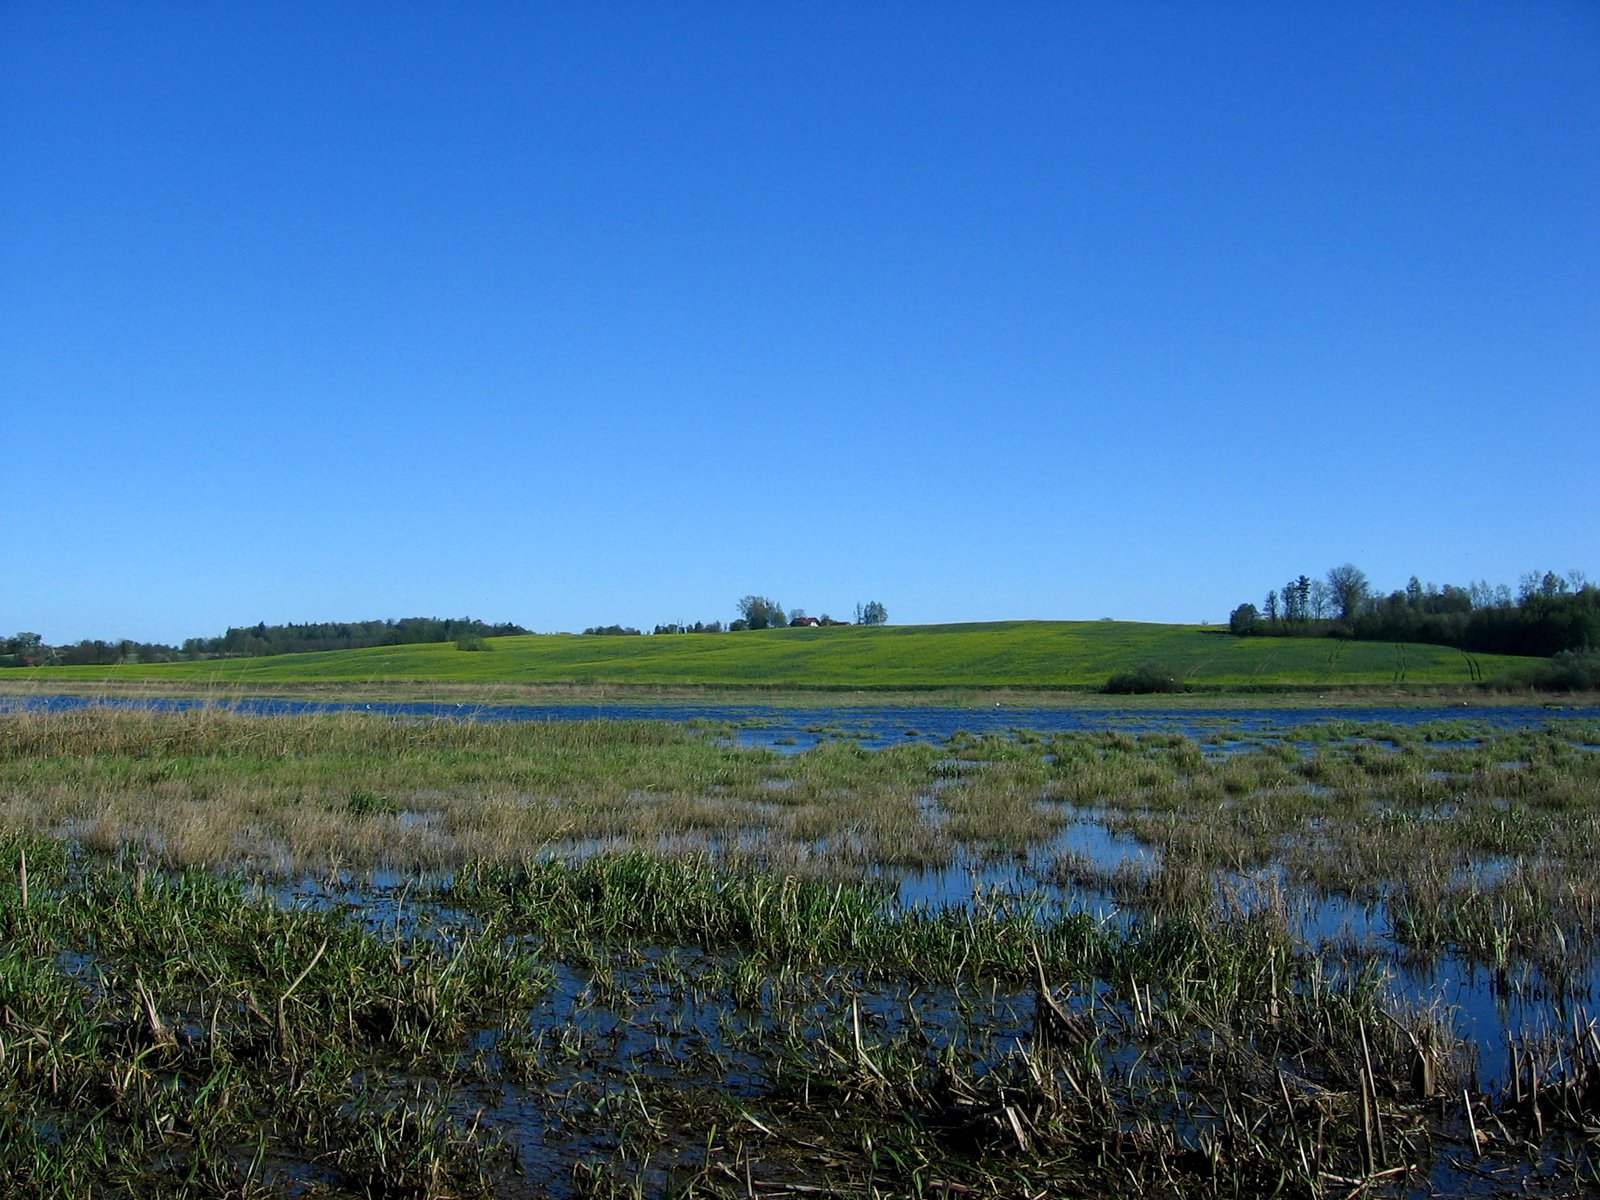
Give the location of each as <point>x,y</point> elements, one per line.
<point>1007,654</point>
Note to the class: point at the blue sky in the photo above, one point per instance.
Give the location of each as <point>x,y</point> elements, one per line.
<point>588,313</point>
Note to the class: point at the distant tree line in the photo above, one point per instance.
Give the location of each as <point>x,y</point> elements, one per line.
<point>252,641</point>
<point>1549,614</point>
<point>263,640</point>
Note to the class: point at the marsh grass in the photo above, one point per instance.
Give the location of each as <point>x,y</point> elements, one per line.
<point>711,1028</point>
<point>634,959</point>
<point>167,1032</point>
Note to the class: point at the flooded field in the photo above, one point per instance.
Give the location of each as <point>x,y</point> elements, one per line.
<point>768,954</point>
<point>793,728</point>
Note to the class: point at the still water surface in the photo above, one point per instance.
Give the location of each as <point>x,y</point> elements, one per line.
<point>795,729</point>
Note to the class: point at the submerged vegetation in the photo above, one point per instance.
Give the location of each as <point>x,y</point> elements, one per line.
<point>345,955</point>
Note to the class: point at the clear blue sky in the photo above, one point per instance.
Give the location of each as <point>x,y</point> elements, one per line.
<point>579,313</point>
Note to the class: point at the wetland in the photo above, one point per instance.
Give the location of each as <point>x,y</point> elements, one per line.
<point>885,952</point>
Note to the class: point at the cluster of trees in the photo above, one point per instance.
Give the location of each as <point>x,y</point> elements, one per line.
<point>252,641</point>
<point>871,613</point>
<point>757,612</point>
<point>762,612</point>
<point>1549,613</point>
<point>1306,603</point>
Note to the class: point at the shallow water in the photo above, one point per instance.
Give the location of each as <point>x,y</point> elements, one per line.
<point>1484,1009</point>
<point>793,730</point>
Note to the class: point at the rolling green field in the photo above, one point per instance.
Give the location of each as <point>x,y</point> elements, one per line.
<point>1008,654</point>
